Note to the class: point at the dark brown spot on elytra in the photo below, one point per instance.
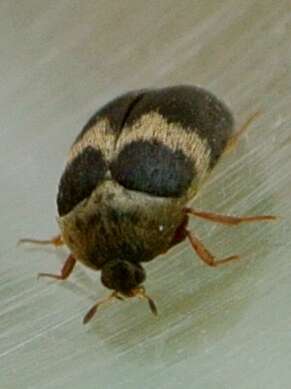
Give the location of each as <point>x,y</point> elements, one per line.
<point>80,178</point>
<point>153,168</point>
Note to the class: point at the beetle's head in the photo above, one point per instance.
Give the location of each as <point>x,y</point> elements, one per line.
<point>122,276</point>
<point>125,279</point>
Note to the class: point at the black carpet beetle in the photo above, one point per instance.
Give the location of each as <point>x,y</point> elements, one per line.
<point>123,196</point>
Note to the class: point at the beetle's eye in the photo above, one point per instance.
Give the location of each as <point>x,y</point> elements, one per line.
<point>138,275</point>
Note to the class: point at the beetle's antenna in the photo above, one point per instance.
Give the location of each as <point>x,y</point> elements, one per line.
<point>142,294</point>
<point>138,292</point>
<point>92,311</point>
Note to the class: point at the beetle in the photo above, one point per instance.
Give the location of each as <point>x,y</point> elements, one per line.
<point>122,199</point>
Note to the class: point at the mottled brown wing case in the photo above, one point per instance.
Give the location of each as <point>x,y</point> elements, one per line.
<point>162,142</point>
<point>90,155</point>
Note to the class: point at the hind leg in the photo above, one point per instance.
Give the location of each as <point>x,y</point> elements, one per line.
<point>233,141</point>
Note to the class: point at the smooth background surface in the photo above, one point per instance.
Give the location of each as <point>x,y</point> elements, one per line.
<point>218,328</point>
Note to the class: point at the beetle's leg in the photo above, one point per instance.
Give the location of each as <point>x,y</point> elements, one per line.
<point>66,269</point>
<point>233,141</point>
<point>180,233</point>
<point>55,240</point>
<point>205,255</point>
<point>227,219</point>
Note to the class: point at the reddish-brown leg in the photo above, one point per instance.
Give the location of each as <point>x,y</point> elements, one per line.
<point>233,141</point>
<point>66,269</point>
<point>227,219</point>
<point>180,233</point>
<point>55,240</point>
<point>204,254</point>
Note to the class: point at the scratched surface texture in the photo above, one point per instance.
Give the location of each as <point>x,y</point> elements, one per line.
<point>218,328</point>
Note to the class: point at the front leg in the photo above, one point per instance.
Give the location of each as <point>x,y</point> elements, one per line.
<point>205,254</point>
<point>182,233</point>
<point>65,271</point>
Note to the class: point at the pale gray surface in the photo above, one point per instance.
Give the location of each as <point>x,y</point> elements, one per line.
<point>218,328</point>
